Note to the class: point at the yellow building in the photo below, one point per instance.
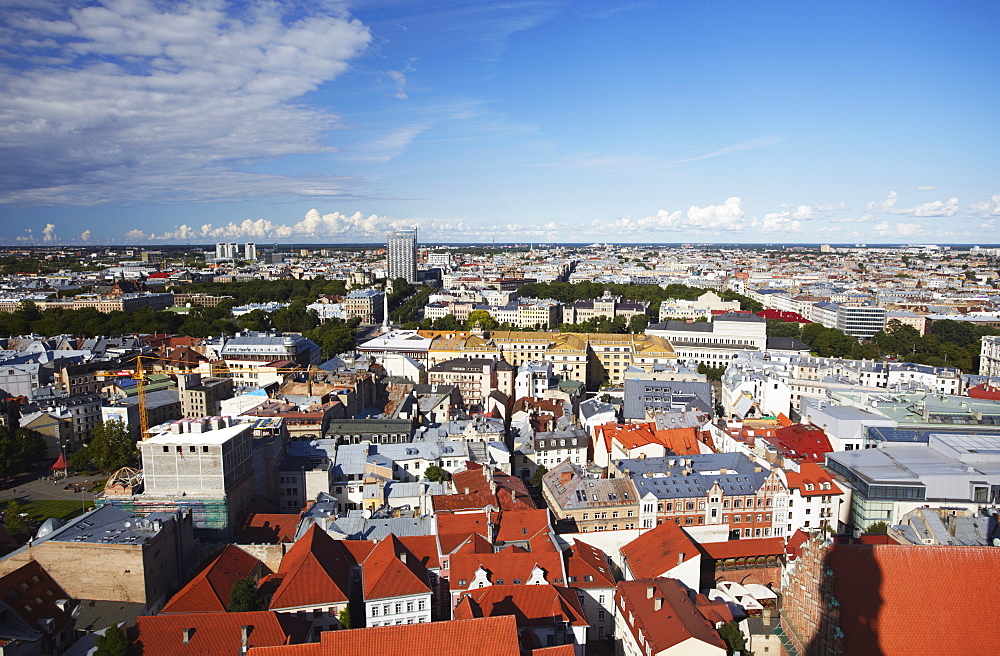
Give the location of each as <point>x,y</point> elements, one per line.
<point>590,358</point>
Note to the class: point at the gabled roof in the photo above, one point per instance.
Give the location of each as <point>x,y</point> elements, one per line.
<point>454,529</point>
<point>391,570</point>
<point>424,547</point>
<point>208,591</point>
<point>489,636</point>
<point>531,605</point>
<point>216,633</point>
<point>665,615</point>
<point>811,474</point>
<point>587,567</point>
<point>909,599</point>
<point>659,550</point>
<point>511,566</point>
<point>316,570</point>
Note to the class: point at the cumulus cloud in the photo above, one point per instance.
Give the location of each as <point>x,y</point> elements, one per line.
<point>49,232</point>
<point>883,206</point>
<point>85,235</point>
<point>781,221</point>
<point>136,235</point>
<point>727,216</point>
<point>926,188</point>
<point>129,101</point>
<point>987,208</point>
<point>935,208</point>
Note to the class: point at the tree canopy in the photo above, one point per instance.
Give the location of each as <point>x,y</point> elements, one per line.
<point>245,596</point>
<point>111,447</point>
<point>20,448</point>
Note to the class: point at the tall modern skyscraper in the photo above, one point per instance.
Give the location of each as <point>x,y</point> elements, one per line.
<point>250,251</point>
<point>401,249</point>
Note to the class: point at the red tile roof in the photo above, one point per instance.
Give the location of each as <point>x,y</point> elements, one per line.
<point>559,650</point>
<point>676,621</point>
<point>315,571</point>
<point>812,473</point>
<point>806,443</point>
<point>474,480</point>
<point>531,605</point>
<point>744,548</point>
<point>522,525</point>
<point>32,594</point>
<point>269,528</point>
<point>216,633</point>
<point>424,547</point>
<point>659,550</point>
<point>208,591</point>
<point>588,567</point>
<point>455,529</point>
<point>390,570</point>
<point>508,566</point>
<point>489,636</point>
<point>914,599</point>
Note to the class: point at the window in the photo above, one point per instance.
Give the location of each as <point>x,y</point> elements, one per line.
<point>374,611</point>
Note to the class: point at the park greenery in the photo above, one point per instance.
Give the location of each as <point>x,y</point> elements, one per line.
<point>947,343</point>
<point>112,643</point>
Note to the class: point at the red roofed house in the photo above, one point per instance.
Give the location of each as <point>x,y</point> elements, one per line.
<point>208,591</point>
<point>622,441</point>
<point>396,587</point>
<point>664,550</point>
<point>34,612</point>
<point>511,566</point>
<point>892,600</point>
<point>798,442</point>
<point>815,499</point>
<point>314,579</point>
<point>589,573</point>
<point>211,634</point>
<point>656,617</point>
<point>546,615</point>
<point>488,636</point>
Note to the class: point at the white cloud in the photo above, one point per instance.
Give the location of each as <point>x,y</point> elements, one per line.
<point>49,232</point>
<point>883,229</point>
<point>987,208</point>
<point>85,235</point>
<point>926,188</point>
<point>136,235</point>
<point>167,101</point>
<point>727,216</point>
<point>781,221</point>
<point>883,206</point>
<point>935,208</point>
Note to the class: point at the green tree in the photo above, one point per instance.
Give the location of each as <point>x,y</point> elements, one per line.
<point>877,527</point>
<point>112,643</point>
<point>112,446</point>
<point>12,518</point>
<point>638,324</point>
<point>245,596</point>
<point>19,449</point>
<point>483,319</point>
<point>345,616</point>
<point>447,322</point>
<point>730,632</point>
<point>437,474</point>
<point>779,328</point>
<point>536,478</point>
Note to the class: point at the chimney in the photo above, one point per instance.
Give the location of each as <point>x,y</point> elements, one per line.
<point>649,591</point>
<point>187,635</point>
<point>402,557</point>
<point>567,477</point>
<point>658,603</point>
<point>680,558</point>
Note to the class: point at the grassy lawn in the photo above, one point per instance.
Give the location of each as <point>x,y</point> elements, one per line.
<point>39,511</point>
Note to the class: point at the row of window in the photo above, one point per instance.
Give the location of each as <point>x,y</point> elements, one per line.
<point>397,607</point>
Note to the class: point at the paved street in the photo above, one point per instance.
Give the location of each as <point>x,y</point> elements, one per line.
<point>40,489</point>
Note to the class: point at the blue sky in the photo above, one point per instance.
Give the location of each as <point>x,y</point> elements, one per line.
<point>125,121</point>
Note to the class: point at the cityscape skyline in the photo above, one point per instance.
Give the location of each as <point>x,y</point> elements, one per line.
<point>543,121</point>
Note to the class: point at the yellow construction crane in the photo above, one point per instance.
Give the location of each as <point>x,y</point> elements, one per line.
<point>142,373</point>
